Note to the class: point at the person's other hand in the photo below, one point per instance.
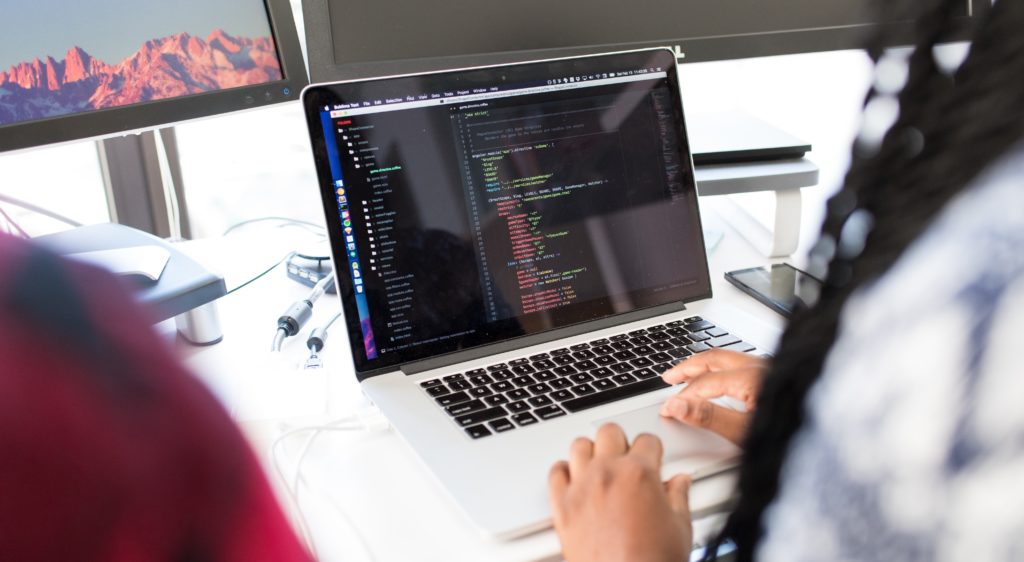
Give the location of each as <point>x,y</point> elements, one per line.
<point>609,503</point>
<point>710,375</point>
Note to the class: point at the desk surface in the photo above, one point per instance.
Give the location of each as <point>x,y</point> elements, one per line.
<point>365,495</point>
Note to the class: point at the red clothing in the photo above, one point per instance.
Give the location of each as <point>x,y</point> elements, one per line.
<point>109,449</point>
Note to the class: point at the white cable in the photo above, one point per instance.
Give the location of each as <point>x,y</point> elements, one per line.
<point>354,423</point>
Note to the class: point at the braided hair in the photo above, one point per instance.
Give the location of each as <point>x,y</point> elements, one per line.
<point>951,124</point>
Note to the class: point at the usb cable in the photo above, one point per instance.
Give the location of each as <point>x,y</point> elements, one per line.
<point>292,321</point>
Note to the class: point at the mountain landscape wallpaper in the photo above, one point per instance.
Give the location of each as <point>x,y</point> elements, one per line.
<point>167,67</point>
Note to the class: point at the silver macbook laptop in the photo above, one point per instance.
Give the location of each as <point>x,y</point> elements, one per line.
<point>519,256</point>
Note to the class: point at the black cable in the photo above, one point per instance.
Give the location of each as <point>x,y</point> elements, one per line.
<point>11,222</point>
<point>261,275</point>
<point>37,209</point>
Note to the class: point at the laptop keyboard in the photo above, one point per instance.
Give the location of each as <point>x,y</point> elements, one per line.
<point>541,387</point>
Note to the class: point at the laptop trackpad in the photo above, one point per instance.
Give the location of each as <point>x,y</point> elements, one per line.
<point>687,449</point>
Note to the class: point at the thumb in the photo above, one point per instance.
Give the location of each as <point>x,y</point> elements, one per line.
<point>678,489</point>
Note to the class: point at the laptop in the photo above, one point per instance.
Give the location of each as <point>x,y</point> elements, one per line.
<point>519,256</point>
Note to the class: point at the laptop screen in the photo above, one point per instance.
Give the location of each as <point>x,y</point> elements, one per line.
<point>476,206</point>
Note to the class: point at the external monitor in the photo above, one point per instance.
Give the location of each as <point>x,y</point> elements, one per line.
<point>76,69</point>
<point>348,39</point>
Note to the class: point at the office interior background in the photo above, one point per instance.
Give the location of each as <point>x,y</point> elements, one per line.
<point>257,163</point>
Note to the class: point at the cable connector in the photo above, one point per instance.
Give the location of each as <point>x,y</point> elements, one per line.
<point>299,313</point>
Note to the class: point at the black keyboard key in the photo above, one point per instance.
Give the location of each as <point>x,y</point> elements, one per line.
<point>636,333</point>
<point>692,319</point>
<point>502,386</point>
<point>580,378</point>
<point>698,326</point>
<point>496,400</point>
<point>621,345</point>
<point>518,394</point>
<point>715,332</point>
<point>459,385</point>
<point>524,419</point>
<point>661,368</point>
<point>640,340</point>
<point>699,336</point>
<point>497,367</point>
<point>518,362</point>
<point>545,376</point>
<point>539,357</point>
<point>603,350</point>
<point>596,343</point>
<point>602,372</point>
<point>560,383</point>
<point>523,369</point>
<point>480,391</point>
<point>585,354</point>
<point>659,336</point>
<point>676,332</point>
<point>478,431</point>
<point>564,370</point>
<point>481,416</point>
<point>476,372</point>
<point>501,425</point>
<point>603,384</point>
<point>465,407</point>
<point>681,341</point>
<point>614,394</point>
<point>544,364</point>
<point>517,407</point>
<point>624,355</point>
<point>453,398</point>
<point>438,390</point>
<point>742,347</point>
<point>481,380</point>
<point>624,378</point>
<point>539,401</point>
<point>562,395</point>
<point>662,345</point>
<point>619,337</point>
<point>674,324</point>
<point>585,365</point>
<point>549,412</point>
<point>643,350</point>
<point>723,341</point>
<point>561,351</point>
<point>655,328</point>
<point>661,357</point>
<point>564,360</point>
<point>645,373</point>
<point>580,347</point>
<point>525,380</point>
<point>621,368</point>
<point>540,388</point>
<point>502,375</point>
<point>681,353</point>
<point>697,347</point>
<point>604,360</point>
<point>457,377</point>
<point>583,390</point>
<point>429,384</point>
<point>641,362</point>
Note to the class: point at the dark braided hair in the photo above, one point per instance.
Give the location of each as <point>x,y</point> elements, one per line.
<point>951,126</point>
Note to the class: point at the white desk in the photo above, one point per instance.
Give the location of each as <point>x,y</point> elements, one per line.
<point>399,511</point>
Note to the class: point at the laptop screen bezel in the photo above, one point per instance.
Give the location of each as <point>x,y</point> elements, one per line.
<point>316,97</point>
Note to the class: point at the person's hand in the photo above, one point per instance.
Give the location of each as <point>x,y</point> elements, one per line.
<point>609,502</point>
<point>710,375</point>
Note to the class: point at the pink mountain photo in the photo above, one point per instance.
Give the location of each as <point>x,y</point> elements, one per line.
<point>170,67</point>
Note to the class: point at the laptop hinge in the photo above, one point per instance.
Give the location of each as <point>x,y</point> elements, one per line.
<point>537,339</point>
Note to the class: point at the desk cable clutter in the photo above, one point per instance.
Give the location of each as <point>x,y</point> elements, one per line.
<point>293,319</point>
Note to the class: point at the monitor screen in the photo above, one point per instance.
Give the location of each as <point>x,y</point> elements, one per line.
<point>60,59</point>
<point>358,39</point>
<point>473,207</point>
